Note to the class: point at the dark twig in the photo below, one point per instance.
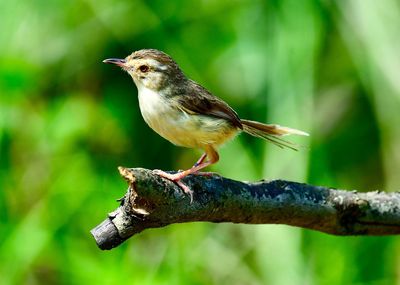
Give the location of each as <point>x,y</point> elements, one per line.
<point>153,202</point>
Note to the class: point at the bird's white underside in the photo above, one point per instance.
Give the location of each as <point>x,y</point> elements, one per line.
<point>179,127</point>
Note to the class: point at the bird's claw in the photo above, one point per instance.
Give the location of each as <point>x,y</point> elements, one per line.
<point>185,189</point>
<point>177,180</point>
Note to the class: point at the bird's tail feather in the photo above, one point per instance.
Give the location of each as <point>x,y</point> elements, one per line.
<point>271,133</point>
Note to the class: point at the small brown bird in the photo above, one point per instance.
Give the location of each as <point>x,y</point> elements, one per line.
<point>187,114</point>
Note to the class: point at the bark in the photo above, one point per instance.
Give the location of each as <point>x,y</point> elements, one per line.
<point>153,202</point>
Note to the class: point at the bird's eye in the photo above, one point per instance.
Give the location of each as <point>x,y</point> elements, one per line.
<point>144,68</point>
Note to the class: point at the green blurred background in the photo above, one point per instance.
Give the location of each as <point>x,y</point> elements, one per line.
<point>331,68</point>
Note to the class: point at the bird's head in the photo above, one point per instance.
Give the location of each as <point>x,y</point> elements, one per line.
<point>150,68</point>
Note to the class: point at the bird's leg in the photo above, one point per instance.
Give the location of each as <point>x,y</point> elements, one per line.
<point>198,162</point>
<point>213,157</point>
<point>201,159</point>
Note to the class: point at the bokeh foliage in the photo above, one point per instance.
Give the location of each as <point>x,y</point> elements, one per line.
<point>67,121</point>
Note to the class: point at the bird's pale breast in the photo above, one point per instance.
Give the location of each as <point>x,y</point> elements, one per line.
<point>165,117</point>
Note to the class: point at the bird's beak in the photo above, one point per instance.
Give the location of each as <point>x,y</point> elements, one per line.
<point>116,61</point>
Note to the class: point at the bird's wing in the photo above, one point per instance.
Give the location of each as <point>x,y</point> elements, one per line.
<point>201,102</point>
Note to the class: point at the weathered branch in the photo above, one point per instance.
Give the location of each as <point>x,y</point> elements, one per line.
<point>153,202</point>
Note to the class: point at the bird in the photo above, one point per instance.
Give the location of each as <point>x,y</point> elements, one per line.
<point>187,114</point>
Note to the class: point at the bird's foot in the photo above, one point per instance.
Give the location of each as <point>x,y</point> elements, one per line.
<point>176,178</point>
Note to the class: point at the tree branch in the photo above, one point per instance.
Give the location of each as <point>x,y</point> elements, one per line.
<point>153,202</point>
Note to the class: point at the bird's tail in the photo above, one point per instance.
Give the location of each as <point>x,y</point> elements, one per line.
<point>271,133</point>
